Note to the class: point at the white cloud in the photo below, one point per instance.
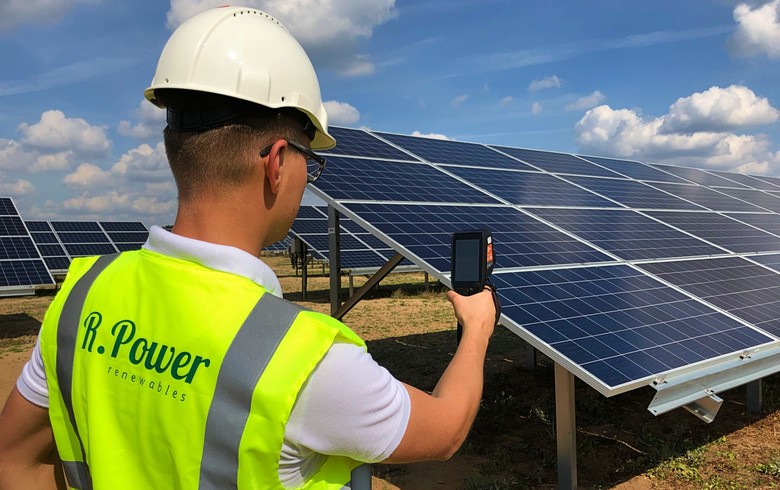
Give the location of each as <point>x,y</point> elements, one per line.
<point>88,175</point>
<point>341,113</point>
<point>144,163</point>
<point>719,109</point>
<point>15,187</point>
<point>14,13</point>
<point>16,156</point>
<point>587,102</point>
<point>329,31</point>
<point>758,30</point>
<point>55,132</point>
<point>435,136</point>
<point>628,134</point>
<point>506,101</point>
<point>536,108</point>
<point>151,121</point>
<point>459,100</point>
<point>545,83</point>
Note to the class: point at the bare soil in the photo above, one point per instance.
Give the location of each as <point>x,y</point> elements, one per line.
<point>620,444</point>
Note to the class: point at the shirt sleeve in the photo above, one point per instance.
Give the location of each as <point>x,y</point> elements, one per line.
<point>350,406</point>
<point>32,381</point>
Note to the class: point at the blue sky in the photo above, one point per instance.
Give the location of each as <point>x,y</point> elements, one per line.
<point>691,82</point>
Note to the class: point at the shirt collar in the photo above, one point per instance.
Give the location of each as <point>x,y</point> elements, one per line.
<point>218,257</point>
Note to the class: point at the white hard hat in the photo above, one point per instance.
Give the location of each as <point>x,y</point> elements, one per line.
<point>245,54</point>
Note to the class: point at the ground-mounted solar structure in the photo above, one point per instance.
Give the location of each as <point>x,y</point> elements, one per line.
<point>22,269</point>
<point>626,274</point>
<point>61,241</point>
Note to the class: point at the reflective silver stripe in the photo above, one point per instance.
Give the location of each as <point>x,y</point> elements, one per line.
<point>244,363</point>
<point>360,478</point>
<point>77,472</point>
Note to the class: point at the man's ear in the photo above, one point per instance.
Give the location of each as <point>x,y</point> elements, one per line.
<point>274,165</point>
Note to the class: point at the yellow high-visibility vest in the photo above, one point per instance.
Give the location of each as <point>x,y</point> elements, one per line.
<point>165,374</point>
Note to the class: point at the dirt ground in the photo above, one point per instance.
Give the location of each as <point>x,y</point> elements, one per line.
<point>620,444</point>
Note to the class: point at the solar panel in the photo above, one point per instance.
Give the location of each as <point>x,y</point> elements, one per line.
<point>627,234</point>
<point>88,249</point>
<point>559,163</point>
<point>697,176</point>
<point>425,231</point>
<point>448,151</point>
<point>22,269</point>
<point>744,289</point>
<point>82,237</point>
<point>354,142</point>
<point>707,198</point>
<point>632,194</point>
<point>358,178</point>
<point>129,226</point>
<point>772,260</point>
<point>617,324</point>
<point>635,170</point>
<point>721,230</point>
<point>772,180</point>
<point>54,255</point>
<point>767,222</point>
<point>60,226</point>
<point>529,188</point>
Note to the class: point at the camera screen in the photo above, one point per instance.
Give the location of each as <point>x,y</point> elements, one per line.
<point>466,266</point>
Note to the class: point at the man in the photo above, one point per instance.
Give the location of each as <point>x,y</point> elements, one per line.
<point>178,366</point>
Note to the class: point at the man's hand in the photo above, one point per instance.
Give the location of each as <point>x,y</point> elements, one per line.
<point>476,313</point>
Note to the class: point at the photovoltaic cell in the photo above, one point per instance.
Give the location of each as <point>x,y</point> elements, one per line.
<point>747,180</point>
<point>519,240</point>
<point>618,324</point>
<point>7,207</point>
<point>632,194</point>
<point>12,226</point>
<point>766,222</point>
<point>34,226</point>
<point>762,199</point>
<point>86,249</point>
<point>357,143</point>
<point>744,289</point>
<point>721,230</point>
<point>707,198</point>
<point>21,266</point>
<point>447,151</point>
<point>529,188</point>
<point>697,176</point>
<point>627,234</point>
<point>60,226</point>
<point>57,263</point>
<point>558,163</point>
<point>128,226</point>
<point>360,179</point>
<point>772,180</point>
<point>635,170</point>
<point>772,260</point>
<point>18,247</point>
<point>82,237</point>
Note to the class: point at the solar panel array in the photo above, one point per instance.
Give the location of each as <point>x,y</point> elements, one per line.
<point>619,270</point>
<point>21,266</point>
<point>61,241</point>
<point>360,250</point>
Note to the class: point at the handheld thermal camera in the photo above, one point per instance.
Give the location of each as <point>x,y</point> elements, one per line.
<point>472,264</point>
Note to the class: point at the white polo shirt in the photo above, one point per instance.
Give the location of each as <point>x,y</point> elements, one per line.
<point>350,406</point>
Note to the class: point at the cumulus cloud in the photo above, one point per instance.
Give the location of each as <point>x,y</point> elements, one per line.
<point>143,164</point>
<point>16,156</point>
<point>587,102</point>
<point>341,113</point>
<point>536,108</point>
<point>719,109</point>
<point>14,13</point>
<point>15,187</point>
<point>56,132</point>
<point>758,30</point>
<point>88,175</point>
<point>459,100</point>
<point>628,134</point>
<point>435,136</point>
<point>151,121</point>
<point>328,30</point>
<point>506,101</point>
<point>545,83</point>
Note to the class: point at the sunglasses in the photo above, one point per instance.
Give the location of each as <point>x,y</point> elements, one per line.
<point>315,164</point>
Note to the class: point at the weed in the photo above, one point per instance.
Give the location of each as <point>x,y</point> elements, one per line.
<point>772,468</point>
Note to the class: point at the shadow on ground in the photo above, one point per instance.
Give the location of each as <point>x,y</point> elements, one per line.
<point>17,325</point>
<point>514,433</point>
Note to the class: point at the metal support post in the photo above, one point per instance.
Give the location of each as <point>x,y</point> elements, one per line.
<point>334,257</point>
<point>755,396</point>
<point>304,260</point>
<point>565,428</point>
<point>351,284</point>
<point>427,286</point>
